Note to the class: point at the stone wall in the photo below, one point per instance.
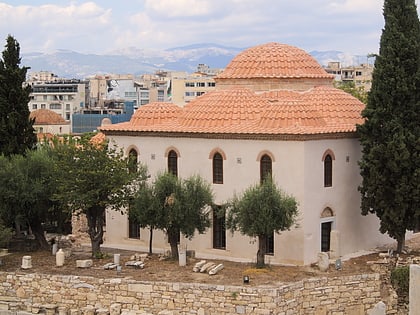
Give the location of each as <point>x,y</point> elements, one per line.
<point>346,295</point>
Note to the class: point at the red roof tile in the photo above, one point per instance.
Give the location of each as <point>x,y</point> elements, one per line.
<point>46,117</point>
<point>273,60</point>
<point>319,110</point>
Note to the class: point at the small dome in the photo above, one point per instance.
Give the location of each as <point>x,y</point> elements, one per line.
<point>273,60</point>
<point>46,117</point>
<point>155,113</point>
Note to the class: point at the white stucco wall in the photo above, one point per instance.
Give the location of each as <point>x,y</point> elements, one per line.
<point>297,169</point>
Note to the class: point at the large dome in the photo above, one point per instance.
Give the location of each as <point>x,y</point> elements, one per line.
<point>273,60</point>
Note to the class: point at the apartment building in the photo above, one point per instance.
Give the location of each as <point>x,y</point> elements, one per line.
<point>361,75</point>
<point>111,88</point>
<point>153,87</point>
<point>63,96</point>
<point>186,87</point>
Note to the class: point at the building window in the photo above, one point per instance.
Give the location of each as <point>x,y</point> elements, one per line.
<point>173,162</point>
<point>199,93</point>
<point>67,106</point>
<point>43,106</point>
<point>325,236</point>
<point>133,229</point>
<point>217,168</point>
<point>55,106</point>
<point>265,167</point>
<point>189,84</point>
<point>211,84</point>
<point>132,161</point>
<point>219,228</point>
<point>200,84</point>
<point>189,94</point>
<point>328,171</point>
<point>34,106</point>
<point>269,245</point>
<point>327,223</point>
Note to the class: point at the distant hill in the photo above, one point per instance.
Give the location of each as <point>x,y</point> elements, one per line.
<point>132,60</point>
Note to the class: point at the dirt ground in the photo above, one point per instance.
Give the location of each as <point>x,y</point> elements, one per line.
<point>169,270</point>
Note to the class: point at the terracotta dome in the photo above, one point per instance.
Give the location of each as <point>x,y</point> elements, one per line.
<point>273,60</point>
<point>46,117</point>
<point>154,114</point>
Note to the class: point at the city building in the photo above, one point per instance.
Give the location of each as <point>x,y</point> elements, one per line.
<point>361,75</point>
<point>64,97</point>
<point>152,88</point>
<point>186,87</point>
<point>110,88</point>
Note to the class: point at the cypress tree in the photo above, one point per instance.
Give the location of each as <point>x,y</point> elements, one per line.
<point>390,135</point>
<point>16,129</point>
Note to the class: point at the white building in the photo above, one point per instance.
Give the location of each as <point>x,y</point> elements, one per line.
<point>274,110</point>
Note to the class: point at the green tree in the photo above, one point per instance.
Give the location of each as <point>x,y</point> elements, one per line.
<point>175,206</point>
<point>262,210</point>
<point>144,209</point>
<point>16,129</point>
<point>350,87</point>
<point>26,190</point>
<point>93,177</point>
<point>390,134</point>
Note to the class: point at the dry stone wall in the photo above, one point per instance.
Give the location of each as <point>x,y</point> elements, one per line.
<point>74,295</point>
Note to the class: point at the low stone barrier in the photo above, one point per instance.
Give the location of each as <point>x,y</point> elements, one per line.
<point>75,295</point>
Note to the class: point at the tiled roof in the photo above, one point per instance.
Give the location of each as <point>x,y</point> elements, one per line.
<point>46,117</point>
<point>273,60</point>
<point>319,110</point>
<point>155,113</point>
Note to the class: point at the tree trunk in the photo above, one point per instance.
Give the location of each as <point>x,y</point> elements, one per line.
<point>262,249</point>
<point>173,234</point>
<point>96,219</point>
<point>38,232</point>
<point>400,243</point>
<point>151,241</point>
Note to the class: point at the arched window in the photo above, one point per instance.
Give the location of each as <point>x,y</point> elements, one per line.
<point>217,168</point>
<point>173,162</point>
<point>328,171</point>
<point>132,161</point>
<point>265,167</point>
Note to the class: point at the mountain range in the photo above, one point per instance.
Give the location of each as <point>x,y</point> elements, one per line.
<point>136,61</point>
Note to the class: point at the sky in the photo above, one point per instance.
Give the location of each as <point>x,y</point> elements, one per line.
<point>103,26</point>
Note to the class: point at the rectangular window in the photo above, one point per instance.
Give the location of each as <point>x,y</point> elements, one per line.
<point>270,245</point>
<point>133,229</point>
<point>43,106</point>
<point>189,84</point>
<point>55,106</point>
<point>189,93</point>
<point>67,106</point>
<point>200,84</point>
<point>211,84</point>
<point>199,93</point>
<point>34,106</point>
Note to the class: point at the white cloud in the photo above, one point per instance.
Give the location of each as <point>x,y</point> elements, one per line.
<point>350,6</point>
<point>53,26</point>
<point>181,8</point>
<point>100,26</point>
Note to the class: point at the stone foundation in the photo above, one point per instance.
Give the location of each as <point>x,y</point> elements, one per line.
<point>74,295</point>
